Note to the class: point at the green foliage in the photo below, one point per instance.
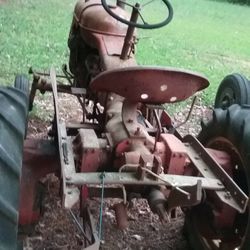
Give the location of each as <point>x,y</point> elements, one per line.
<point>244,2</point>
<point>33,33</point>
<point>205,36</point>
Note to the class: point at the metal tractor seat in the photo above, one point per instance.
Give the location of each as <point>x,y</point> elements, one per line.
<point>152,85</point>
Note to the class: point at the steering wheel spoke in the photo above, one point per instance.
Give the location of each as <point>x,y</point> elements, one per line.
<point>140,15</point>
<point>125,3</point>
<point>145,4</point>
<point>138,7</point>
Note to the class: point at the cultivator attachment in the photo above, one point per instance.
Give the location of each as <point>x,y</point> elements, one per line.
<point>171,172</point>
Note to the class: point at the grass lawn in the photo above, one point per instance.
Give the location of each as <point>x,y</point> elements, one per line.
<point>205,36</point>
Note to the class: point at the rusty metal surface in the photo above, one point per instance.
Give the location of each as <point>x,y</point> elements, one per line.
<point>153,85</point>
<point>71,194</point>
<point>129,119</point>
<point>129,38</point>
<point>43,84</point>
<point>113,46</point>
<point>39,159</point>
<point>90,231</point>
<point>94,40</point>
<point>167,123</point>
<point>223,159</point>
<point>90,151</point>
<point>208,167</point>
<point>191,196</point>
<point>75,126</point>
<point>225,215</point>
<point>114,62</point>
<point>91,16</point>
<point>157,202</point>
<point>121,215</point>
<point>175,154</point>
<point>114,124</point>
<point>131,179</point>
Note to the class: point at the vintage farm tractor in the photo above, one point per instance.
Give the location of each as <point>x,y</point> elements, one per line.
<point>126,145</point>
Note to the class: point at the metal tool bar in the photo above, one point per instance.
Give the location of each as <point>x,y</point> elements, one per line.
<point>67,152</point>
<point>71,125</point>
<point>70,193</point>
<point>130,178</point>
<point>92,226</point>
<point>209,168</point>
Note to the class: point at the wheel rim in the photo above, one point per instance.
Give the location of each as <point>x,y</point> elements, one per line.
<point>206,218</point>
<point>228,99</point>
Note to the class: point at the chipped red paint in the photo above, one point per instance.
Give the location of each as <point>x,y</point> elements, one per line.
<point>39,159</point>
<point>151,85</point>
<point>175,154</point>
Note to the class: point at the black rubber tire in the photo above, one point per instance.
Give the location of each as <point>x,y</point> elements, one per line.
<point>233,126</point>
<point>22,83</point>
<point>234,89</point>
<point>13,113</point>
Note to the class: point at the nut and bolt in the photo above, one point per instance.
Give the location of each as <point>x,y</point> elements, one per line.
<point>227,195</point>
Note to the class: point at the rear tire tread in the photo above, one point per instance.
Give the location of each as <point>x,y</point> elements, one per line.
<point>13,115</point>
<point>234,125</point>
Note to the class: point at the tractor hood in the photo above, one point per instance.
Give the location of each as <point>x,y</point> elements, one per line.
<point>91,16</point>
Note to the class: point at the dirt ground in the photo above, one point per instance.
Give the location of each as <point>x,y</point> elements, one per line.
<point>57,230</point>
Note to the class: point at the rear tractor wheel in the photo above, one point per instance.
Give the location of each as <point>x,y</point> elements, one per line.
<point>212,224</point>
<point>13,116</point>
<point>234,89</point>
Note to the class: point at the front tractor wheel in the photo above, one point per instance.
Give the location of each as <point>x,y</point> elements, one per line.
<point>212,224</point>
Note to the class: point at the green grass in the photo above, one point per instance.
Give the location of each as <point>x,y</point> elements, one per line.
<point>33,33</point>
<point>205,36</point>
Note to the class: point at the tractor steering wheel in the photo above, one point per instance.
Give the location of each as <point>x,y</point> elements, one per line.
<point>137,8</point>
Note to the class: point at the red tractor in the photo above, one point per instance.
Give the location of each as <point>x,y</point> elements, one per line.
<point>126,145</point>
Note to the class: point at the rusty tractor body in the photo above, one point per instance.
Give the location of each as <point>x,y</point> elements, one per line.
<point>126,146</point>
